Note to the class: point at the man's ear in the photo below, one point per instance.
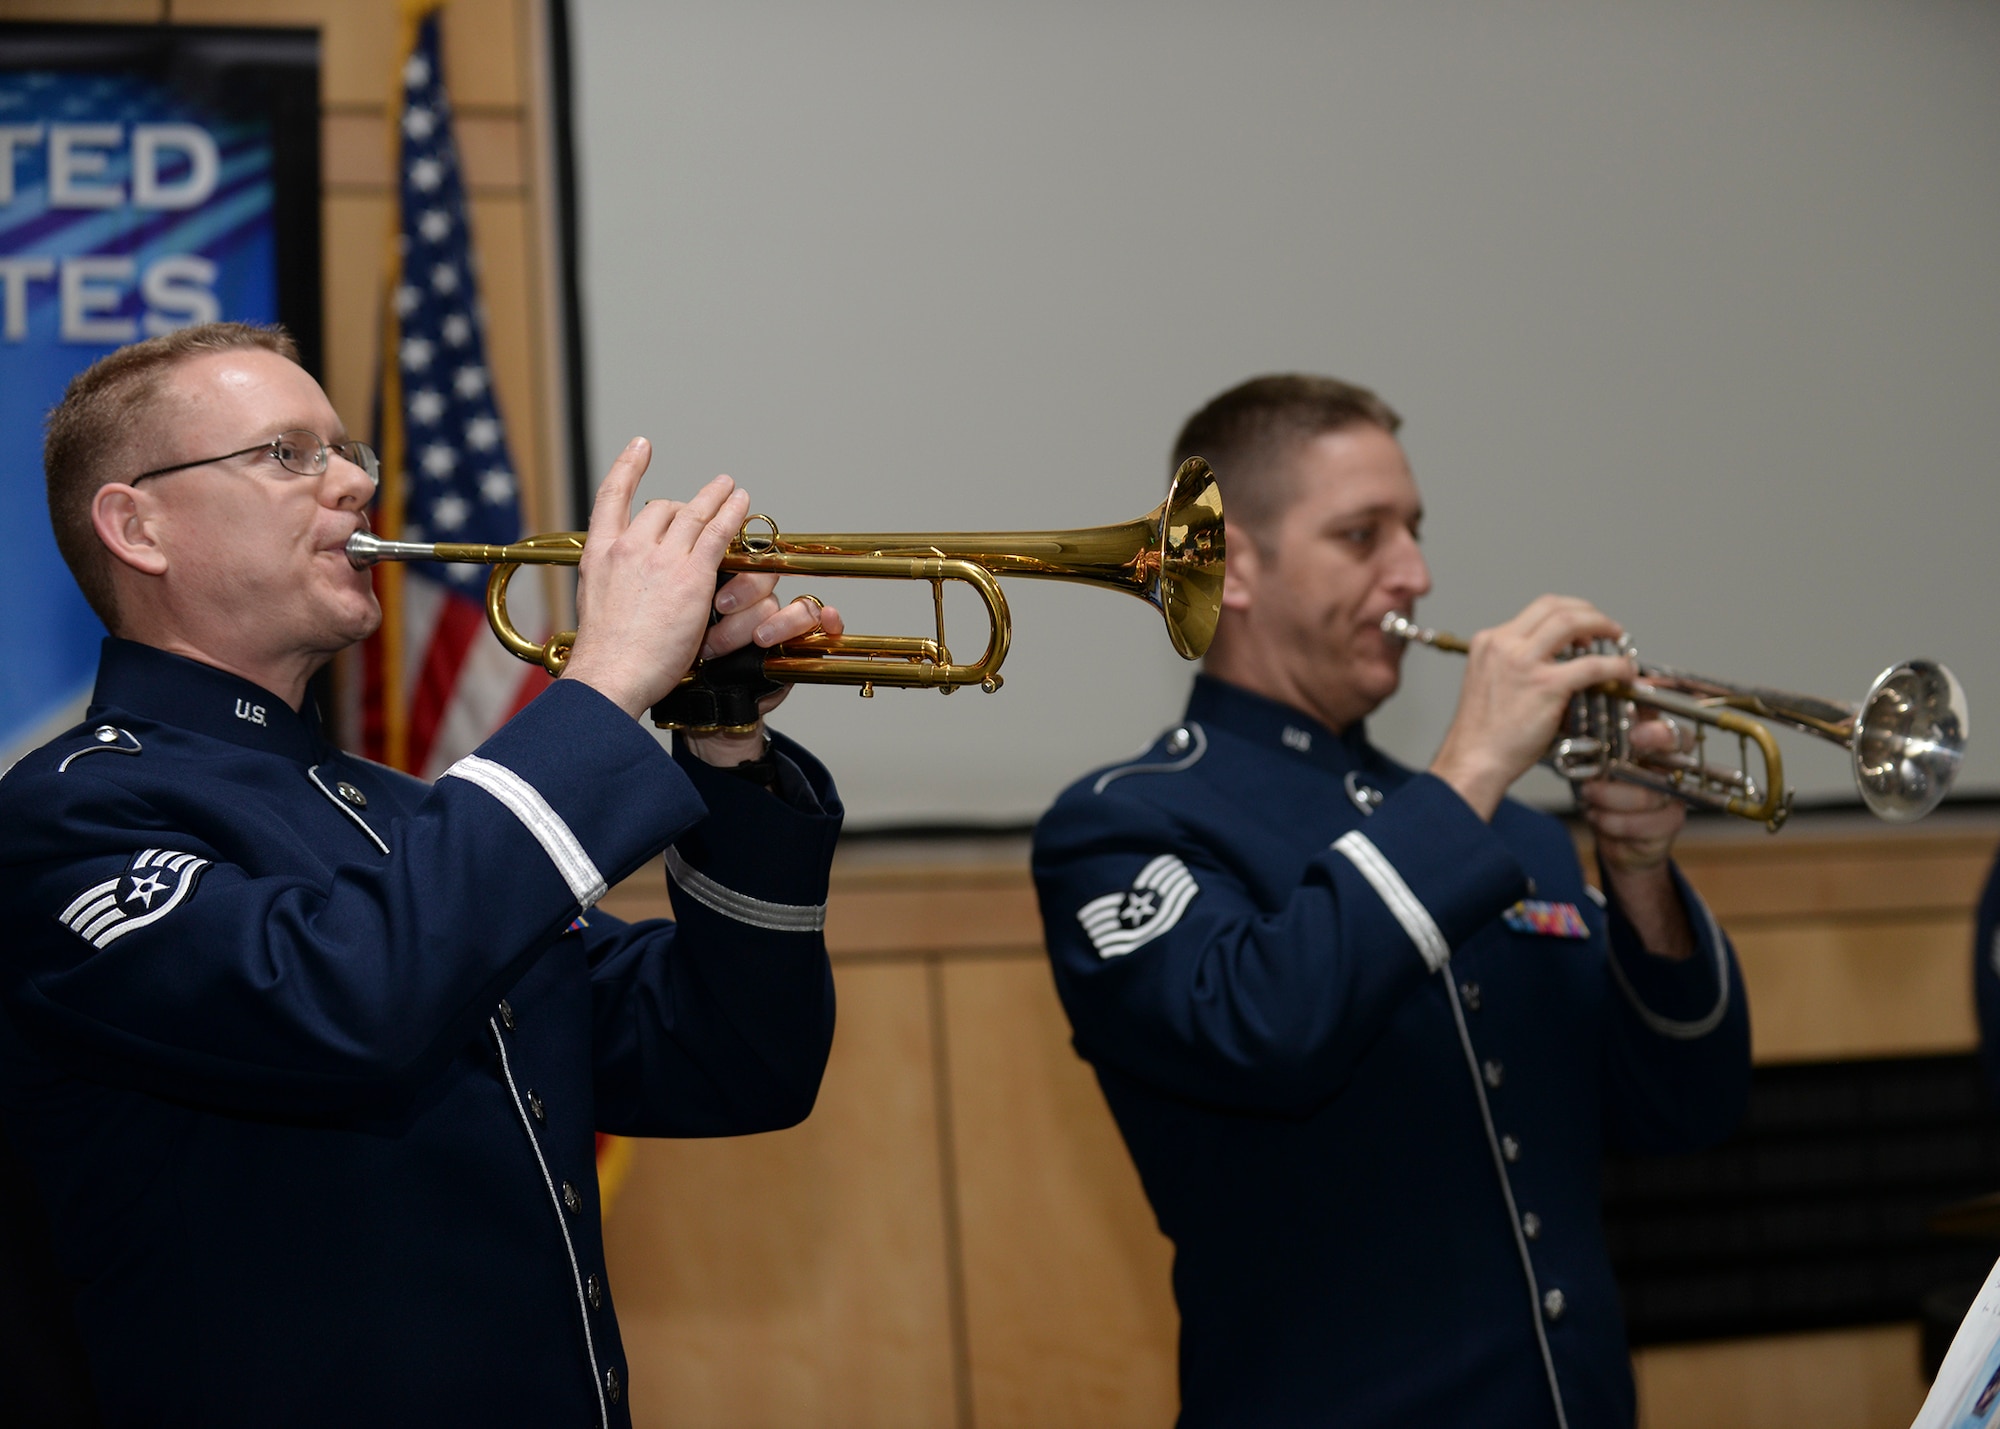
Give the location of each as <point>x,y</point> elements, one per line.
<point>1241,572</point>
<point>123,519</point>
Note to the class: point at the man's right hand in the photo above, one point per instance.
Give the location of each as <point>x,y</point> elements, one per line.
<point>646,583</point>
<point>1516,691</point>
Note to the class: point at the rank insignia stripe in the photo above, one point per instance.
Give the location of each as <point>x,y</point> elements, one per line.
<point>1548,920</point>
<point>154,884</point>
<point>1117,923</point>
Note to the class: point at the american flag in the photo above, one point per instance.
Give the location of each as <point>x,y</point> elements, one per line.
<point>437,683</point>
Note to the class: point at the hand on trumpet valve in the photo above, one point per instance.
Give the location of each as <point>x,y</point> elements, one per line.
<point>1636,826</point>
<point>1519,678</point>
<point>749,613</point>
<point>645,582</point>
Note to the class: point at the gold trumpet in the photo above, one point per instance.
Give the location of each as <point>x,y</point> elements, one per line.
<point>1906,736</point>
<point>1172,558</point>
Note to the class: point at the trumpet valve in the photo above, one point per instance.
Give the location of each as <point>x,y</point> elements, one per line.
<point>1578,757</point>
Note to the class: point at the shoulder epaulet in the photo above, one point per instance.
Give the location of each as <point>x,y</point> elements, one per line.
<point>1188,742</point>
<point>104,739</point>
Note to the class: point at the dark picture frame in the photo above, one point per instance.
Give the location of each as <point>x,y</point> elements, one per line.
<point>272,72</point>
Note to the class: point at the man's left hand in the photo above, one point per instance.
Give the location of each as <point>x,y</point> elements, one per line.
<point>1635,829</point>
<point>751,614</point>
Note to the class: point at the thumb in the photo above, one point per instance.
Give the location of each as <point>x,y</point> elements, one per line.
<point>612,509</point>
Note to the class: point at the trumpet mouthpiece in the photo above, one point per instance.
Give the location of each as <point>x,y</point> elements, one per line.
<point>1401,626</point>
<point>365,549</point>
<point>1398,626</point>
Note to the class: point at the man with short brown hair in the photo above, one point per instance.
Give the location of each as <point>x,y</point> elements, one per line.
<point>1365,1029</point>
<point>308,1057</point>
<point>101,425</point>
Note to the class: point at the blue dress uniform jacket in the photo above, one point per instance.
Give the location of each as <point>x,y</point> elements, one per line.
<point>308,1055</point>
<point>1368,1111</point>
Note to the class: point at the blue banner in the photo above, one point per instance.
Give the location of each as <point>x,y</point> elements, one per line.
<point>126,210</point>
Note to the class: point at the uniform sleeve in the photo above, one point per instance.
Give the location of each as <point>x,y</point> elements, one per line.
<point>1175,975</point>
<point>1986,979</point>
<point>301,994</point>
<point>719,1023</point>
<point>1678,1039</point>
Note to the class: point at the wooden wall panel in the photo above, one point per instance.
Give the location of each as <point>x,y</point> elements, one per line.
<point>1853,944</point>
<point>1869,1378</point>
<point>485,45</point>
<point>799,1278</point>
<point>1800,873</point>
<point>1069,1306</point>
<point>357,38</point>
<point>355,239</point>
<point>1822,989</point>
<point>106,12</point>
<point>1855,938</point>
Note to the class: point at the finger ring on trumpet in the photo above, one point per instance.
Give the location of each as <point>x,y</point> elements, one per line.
<point>818,605</point>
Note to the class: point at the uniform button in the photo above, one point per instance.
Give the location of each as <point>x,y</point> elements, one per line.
<point>1531,888</point>
<point>353,795</point>
<point>1178,741</point>
<point>105,734</point>
<point>1469,991</point>
<point>1510,1148</point>
<point>1531,1226</point>
<point>1553,1305</point>
<point>595,1289</point>
<point>612,1387</point>
<point>507,1014</point>
<point>571,1199</point>
<point>535,1106</point>
<point>1494,1072</point>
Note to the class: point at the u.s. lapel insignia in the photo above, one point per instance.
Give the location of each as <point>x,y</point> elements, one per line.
<point>1545,919</point>
<point>1119,922</point>
<point>154,883</point>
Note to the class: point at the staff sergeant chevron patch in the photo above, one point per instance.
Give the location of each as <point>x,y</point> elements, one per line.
<point>1119,922</point>
<point>154,883</point>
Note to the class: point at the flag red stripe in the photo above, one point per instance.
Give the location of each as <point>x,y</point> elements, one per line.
<point>459,623</point>
<point>532,684</point>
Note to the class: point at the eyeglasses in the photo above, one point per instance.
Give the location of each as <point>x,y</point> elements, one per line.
<point>301,453</point>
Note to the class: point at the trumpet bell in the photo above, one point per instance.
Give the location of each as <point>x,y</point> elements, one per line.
<point>1909,740</point>
<point>1189,589</point>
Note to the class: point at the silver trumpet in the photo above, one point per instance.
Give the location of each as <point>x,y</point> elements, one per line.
<point>1906,736</point>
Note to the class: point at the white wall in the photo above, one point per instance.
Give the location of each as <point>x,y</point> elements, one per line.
<point>1693,309</point>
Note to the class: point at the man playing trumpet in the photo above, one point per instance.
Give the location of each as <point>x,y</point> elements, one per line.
<point>1365,1029</point>
<point>308,1055</point>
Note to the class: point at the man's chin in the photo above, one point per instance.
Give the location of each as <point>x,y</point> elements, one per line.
<point>358,623</point>
<point>1377,680</point>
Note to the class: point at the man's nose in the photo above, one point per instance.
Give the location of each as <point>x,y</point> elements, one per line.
<point>1409,574</point>
<point>345,486</point>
